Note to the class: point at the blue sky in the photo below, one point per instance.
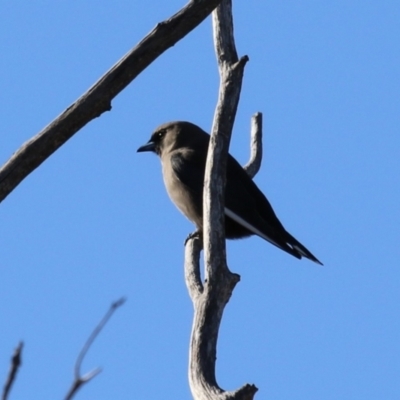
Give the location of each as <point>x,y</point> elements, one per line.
<point>94,223</point>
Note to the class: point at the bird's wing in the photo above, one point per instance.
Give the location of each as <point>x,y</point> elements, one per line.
<point>247,205</point>
<point>246,200</point>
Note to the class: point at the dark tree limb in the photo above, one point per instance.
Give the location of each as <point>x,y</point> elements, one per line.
<point>209,299</point>
<point>14,367</point>
<point>79,379</point>
<point>98,98</point>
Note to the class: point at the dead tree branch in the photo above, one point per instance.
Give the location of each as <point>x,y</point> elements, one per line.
<point>14,367</point>
<point>209,299</point>
<point>98,98</point>
<point>256,151</point>
<point>79,380</point>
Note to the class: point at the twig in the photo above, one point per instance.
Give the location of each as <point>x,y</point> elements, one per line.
<point>256,150</point>
<point>78,379</point>
<point>98,98</point>
<point>15,364</point>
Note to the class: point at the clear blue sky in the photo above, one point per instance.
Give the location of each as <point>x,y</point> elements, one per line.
<point>94,223</point>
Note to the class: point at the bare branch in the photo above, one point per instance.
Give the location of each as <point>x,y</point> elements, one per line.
<point>15,364</point>
<point>78,379</point>
<point>209,301</point>
<point>256,151</point>
<point>98,98</point>
<point>231,74</point>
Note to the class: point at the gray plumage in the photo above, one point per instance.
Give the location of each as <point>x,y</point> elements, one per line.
<point>182,147</point>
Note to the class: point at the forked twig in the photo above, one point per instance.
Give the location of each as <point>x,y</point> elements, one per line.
<point>79,379</point>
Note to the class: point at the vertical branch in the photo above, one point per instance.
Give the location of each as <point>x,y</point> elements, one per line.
<point>231,71</point>
<point>209,299</point>
<point>256,153</point>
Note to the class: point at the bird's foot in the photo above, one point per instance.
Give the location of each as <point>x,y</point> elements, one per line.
<point>194,235</point>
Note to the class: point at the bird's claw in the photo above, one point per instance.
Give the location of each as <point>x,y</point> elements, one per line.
<point>193,235</point>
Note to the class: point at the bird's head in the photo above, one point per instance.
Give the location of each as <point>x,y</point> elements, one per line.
<point>175,135</point>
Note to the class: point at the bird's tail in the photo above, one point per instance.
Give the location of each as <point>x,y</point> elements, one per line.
<point>300,249</point>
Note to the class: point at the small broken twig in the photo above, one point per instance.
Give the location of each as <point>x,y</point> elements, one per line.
<point>15,364</point>
<point>256,151</point>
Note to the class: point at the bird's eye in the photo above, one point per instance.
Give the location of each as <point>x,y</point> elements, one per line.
<point>161,133</point>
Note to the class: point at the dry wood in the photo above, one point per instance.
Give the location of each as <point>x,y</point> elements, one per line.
<point>256,152</point>
<point>98,98</point>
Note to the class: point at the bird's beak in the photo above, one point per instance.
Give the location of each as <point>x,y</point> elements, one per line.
<point>150,146</point>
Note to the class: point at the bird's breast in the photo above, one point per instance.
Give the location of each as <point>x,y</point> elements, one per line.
<point>183,198</point>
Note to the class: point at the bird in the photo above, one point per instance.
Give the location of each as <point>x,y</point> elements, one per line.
<point>182,147</point>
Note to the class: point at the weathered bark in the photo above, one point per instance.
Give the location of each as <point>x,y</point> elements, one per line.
<point>98,98</point>
<point>209,298</point>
